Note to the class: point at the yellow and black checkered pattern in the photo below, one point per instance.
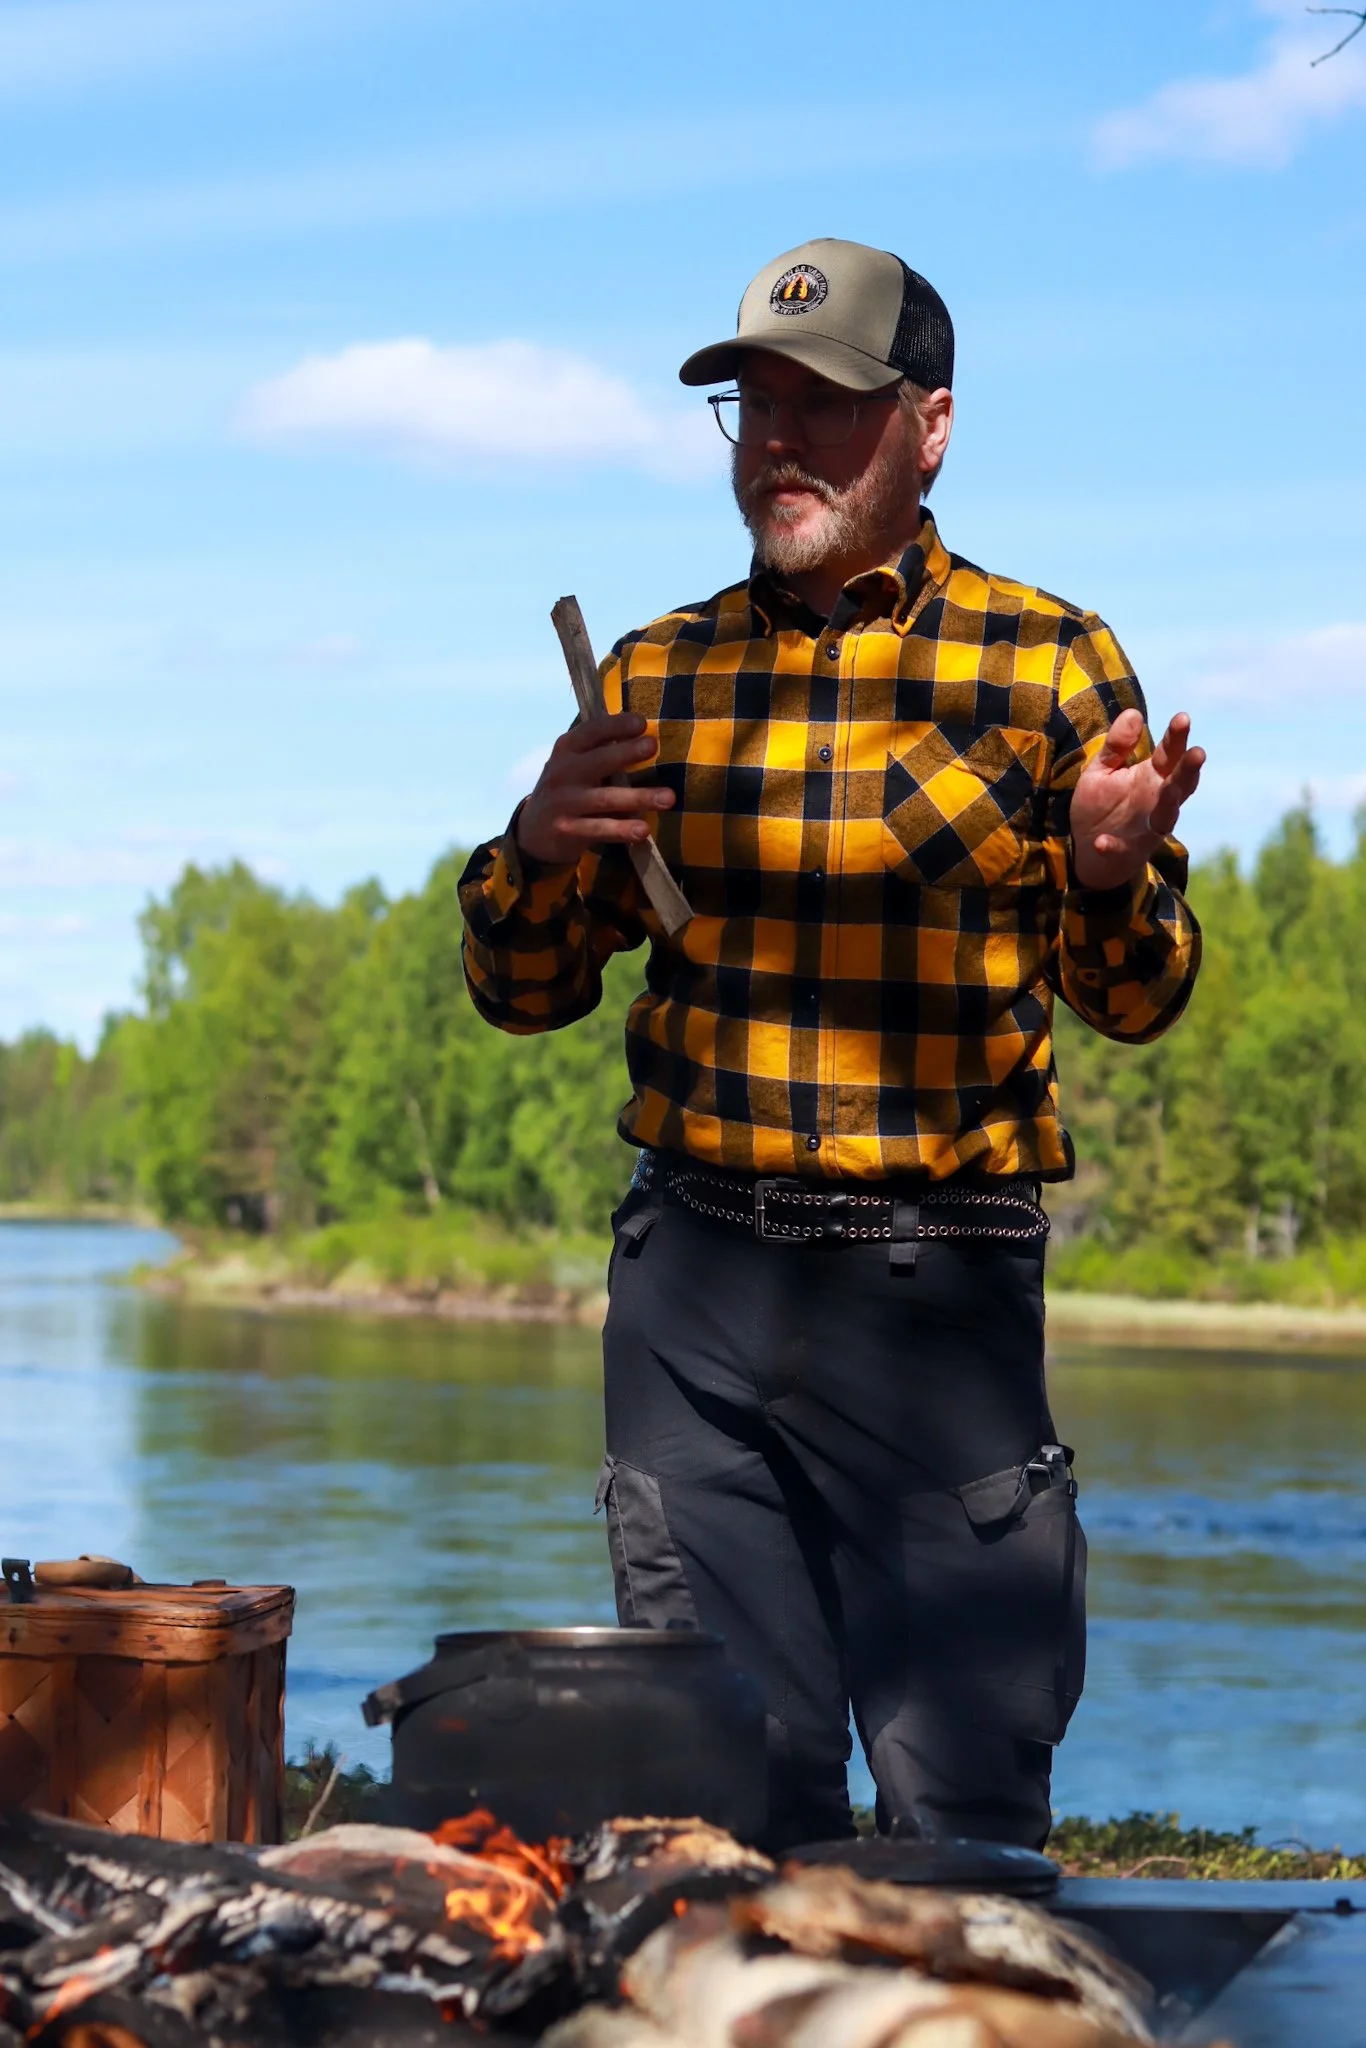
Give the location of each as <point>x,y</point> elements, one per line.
<point>872,828</point>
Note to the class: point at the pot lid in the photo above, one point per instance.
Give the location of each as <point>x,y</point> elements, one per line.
<point>671,1638</point>
<point>953,1861</point>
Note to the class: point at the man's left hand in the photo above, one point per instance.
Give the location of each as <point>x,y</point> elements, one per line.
<point>1123,809</point>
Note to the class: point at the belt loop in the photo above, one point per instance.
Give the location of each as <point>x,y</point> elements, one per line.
<point>905,1231</point>
<point>633,1230</point>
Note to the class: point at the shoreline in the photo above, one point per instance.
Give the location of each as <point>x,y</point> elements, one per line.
<point>1133,1322</point>
<point>78,1212</point>
<point>264,1279</point>
<point>1127,1322</point>
<point>446,1305</point>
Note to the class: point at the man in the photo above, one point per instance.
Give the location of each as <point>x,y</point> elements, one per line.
<point>910,804</point>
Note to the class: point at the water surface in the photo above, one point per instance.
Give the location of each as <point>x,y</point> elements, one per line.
<point>408,1477</point>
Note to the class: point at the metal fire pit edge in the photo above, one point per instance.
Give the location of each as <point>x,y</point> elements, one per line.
<point>1272,1964</point>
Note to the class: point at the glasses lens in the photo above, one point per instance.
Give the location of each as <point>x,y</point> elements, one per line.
<point>829,419</point>
<point>749,420</point>
<point>726,406</point>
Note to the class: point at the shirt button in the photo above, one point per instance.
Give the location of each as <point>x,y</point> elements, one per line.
<point>813,1144</point>
<point>833,651</point>
<point>825,754</point>
<point>818,874</point>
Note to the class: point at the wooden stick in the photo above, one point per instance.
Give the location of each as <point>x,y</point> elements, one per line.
<point>670,903</point>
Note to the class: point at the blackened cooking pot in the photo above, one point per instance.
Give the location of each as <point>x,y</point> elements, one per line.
<point>556,1730</point>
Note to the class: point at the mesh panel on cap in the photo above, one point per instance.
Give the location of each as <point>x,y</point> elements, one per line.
<point>922,347</point>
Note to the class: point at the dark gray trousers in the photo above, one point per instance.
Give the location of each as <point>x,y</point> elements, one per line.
<point>829,1465</point>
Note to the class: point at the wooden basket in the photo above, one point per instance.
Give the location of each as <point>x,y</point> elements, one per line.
<point>158,1710</point>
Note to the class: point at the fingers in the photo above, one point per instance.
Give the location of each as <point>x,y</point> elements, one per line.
<point>603,831</point>
<point>582,799</point>
<point>596,732</point>
<point>1170,749</point>
<point>602,800</point>
<point>1181,784</point>
<point>1123,736</point>
<point>561,824</point>
<point>600,748</point>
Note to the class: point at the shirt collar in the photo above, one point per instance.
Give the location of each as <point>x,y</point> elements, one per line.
<point>890,591</point>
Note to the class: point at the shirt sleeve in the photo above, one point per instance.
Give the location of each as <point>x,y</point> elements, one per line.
<point>537,937</point>
<point>1126,958</point>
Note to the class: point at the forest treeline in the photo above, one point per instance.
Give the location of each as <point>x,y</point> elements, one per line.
<point>289,1064</point>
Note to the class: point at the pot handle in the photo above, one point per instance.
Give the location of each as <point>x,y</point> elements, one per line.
<point>504,1667</point>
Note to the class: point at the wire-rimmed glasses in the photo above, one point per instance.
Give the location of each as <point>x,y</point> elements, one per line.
<point>822,419</point>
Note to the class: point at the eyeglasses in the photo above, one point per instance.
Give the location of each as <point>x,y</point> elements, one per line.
<point>822,420</point>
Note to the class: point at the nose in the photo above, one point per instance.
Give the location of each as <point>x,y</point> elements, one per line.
<point>784,429</point>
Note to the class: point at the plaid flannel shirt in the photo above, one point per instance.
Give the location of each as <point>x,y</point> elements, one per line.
<point>872,827</point>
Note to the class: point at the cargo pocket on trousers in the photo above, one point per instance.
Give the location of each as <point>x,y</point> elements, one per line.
<point>1034,1550</point>
<point>647,1571</point>
<point>1002,1598</point>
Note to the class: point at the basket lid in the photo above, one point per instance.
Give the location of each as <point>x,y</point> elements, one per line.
<point>153,1624</point>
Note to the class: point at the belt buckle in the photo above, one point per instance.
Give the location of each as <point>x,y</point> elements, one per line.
<point>762,1190</point>
<point>831,1223</point>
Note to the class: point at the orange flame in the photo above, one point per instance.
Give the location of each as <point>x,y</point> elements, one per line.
<point>514,1903</point>
<point>74,1991</point>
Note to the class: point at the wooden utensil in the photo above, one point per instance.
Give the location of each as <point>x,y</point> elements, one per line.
<point>670,903</point>
<point>88,1569</point>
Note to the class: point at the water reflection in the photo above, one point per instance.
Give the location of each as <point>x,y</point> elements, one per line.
<point>408,1477</point>
<point>1224,1500</point>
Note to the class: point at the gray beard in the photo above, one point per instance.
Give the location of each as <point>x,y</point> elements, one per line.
<point>859,522</point>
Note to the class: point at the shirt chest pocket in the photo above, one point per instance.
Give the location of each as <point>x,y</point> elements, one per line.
<point>959,803</point>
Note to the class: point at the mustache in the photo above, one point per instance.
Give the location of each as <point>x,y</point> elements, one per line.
<point>785,476</point>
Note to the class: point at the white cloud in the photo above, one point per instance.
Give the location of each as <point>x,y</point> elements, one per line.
<point>1257,117</point>
<point>501,401</point>
<point>489,176</point>
<point>1323,664</point>
<point>331,650</point>
<point>53,48</point>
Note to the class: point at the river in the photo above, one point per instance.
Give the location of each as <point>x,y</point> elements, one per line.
<point>409,1476</point>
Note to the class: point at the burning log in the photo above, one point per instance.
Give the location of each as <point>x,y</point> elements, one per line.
<point>705,1988</point>
<point>954,1935</point>
<point>206,1931</point>
<point>470,1873</point>
<point>645,1934</point>
<point>629,1877</point>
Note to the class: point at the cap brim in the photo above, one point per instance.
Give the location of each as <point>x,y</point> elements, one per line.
<point>837,360</point>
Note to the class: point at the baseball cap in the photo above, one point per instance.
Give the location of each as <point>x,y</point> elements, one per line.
<point>859,316</point>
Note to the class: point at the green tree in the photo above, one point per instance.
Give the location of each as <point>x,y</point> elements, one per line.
<point>234,1062</point>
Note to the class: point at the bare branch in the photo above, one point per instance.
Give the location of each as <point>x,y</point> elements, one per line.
<point>1356,14</point>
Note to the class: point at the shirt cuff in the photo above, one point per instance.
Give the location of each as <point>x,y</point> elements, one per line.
<point>517,881</point>
<point>1107,911</point>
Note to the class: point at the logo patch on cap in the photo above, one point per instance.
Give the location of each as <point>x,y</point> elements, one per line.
<point>798,290</point>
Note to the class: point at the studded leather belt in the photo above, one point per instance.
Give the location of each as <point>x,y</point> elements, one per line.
<point>901,1214</point>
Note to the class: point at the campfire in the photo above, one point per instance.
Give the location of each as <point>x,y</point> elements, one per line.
<point>644,1934</point>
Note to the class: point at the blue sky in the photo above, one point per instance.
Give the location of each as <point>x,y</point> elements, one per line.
<point>339,337</point>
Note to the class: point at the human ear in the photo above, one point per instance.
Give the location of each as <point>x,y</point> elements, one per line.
<point>936,425</point>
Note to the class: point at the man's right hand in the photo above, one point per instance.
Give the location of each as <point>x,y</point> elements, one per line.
<point>575,805</point>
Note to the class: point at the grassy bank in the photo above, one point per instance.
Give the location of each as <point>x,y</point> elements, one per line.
<point>60,1210</point>
<point>449,1263</point>
<point>1127,1321</point>
<point>1156,1845</point>
<point>455,1263</point>
<point>1330,1274</point>
<point>317,1786</point>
